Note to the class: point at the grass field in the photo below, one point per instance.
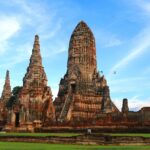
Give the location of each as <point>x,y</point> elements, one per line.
<point>130,134</point>
<point>37,146</point>
<point>71,134</point>
<point>40,134</point>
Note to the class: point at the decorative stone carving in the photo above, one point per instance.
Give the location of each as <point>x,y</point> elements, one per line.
<point>35,92</point>
<point>83,92</point>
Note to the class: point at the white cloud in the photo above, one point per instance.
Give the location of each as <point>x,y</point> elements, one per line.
<point>54,88</point>
<point>125,85</point>
<point>144,5</point>
<point>107,39</point>
<point>31,15</point>
<point>36,16</point>
<point>113,41</point>
<point>54,92</point>
<point>23,53</point>
<point>46,25</point>
<point>142,44</point>
<point>135,103</point>
<point>52,33</point>
<point>129,87</point>
<point>9,26</point>
<point>146,71</point>
<point>59,49</point>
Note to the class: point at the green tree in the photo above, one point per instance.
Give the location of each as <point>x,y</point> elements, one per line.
<point>14,98</point>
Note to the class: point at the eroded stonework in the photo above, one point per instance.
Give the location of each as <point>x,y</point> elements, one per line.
<point>35,93</point>
<point>6,93</point>
<point>83,99</point>
<point>83,92</point>
<point>30,105</point>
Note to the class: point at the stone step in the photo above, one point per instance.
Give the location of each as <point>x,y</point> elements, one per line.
<point>66,107</point>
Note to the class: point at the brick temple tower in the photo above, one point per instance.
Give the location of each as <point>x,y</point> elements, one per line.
<point>83,92</point>
<point>35,93</point>
<point>6,93</point>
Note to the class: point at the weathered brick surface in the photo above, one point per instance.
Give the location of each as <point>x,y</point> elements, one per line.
<point>83,92</point>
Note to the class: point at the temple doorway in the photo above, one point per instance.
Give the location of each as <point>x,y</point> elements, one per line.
<point>17,119</point>
<point>73,88</point>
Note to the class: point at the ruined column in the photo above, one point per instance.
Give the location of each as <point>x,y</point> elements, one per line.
<point>125,107</point>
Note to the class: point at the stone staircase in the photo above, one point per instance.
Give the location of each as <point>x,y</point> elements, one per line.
<point>66,107</point>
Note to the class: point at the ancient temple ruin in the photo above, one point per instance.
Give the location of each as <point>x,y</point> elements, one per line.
<point>83,92</point>
<point>6,93</point>
<point>35,91</point>
<point>34,98</point>
<point>83,98</point>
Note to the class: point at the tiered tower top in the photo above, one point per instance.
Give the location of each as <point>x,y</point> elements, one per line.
<point>36,59</point>
<point>82,50</point>
<point>35,72</point>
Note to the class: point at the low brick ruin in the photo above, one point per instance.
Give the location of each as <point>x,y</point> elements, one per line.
<point>84,139</point>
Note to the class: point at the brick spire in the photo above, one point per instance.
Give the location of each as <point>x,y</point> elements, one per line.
<point>6,93</point>
<point>82,50</point>
<point>36,59</point>
<point>35,92</point>
<point>35,70</point>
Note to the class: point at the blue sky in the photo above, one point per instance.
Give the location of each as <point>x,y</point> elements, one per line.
<point>122,33</point>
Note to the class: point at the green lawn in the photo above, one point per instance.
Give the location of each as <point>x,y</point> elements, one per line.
<point>40,134</point>
<point>130,134</point>
<point>37,146</point>
<point>71,134</point>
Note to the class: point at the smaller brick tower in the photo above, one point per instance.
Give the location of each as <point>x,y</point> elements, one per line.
<point>6,93</point>
<point>35,93</point>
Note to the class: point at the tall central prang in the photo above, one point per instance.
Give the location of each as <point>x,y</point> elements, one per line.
<point>82,52</point>
<point>83,92</point>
